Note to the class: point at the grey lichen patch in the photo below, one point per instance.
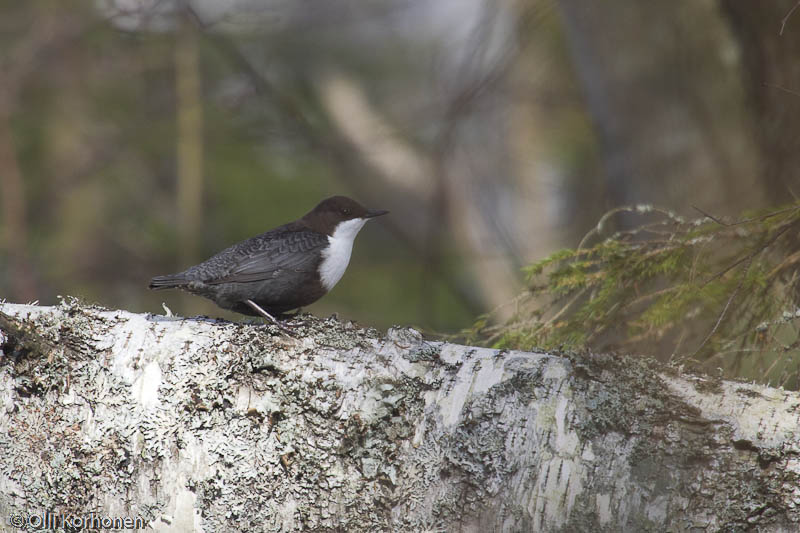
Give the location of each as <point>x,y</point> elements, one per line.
<point>90,426</point>
<point>332,333</point>
<point>43,431</point>
<point>622,393</point>
<point>300,446</point>
<point>35,356</point>
<point>424,351</point>
<point>21,340</point>
<point>404,336</point>
<point>376,434</point>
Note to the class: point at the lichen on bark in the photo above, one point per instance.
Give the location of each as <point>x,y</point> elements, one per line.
<point>204,425</point>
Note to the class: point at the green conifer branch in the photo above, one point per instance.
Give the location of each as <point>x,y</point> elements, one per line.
<point>709,292</point>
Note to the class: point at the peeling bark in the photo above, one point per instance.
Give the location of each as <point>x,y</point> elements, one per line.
<point>205,425</point>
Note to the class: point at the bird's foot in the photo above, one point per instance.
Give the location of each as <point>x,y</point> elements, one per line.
<point>295,319</point>
<point>257,308</point>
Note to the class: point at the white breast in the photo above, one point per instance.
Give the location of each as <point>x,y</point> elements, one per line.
<point>337,256</point>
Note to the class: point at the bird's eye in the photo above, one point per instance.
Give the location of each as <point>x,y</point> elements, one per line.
<point>345,211</point>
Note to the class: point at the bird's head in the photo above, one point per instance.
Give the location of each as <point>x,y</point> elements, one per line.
<point>339,213</point>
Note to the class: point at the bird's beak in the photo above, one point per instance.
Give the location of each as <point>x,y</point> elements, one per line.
<point>372,213</point>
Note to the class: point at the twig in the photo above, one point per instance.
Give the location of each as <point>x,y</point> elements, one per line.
<point>753,219</point>
<point>789,261</point>
<point>564,309</point>
<point>786,18</point>
<point>715,219</point>
<point>727,305</point>
<point>751,255</point>
<point>779,87</point>
<point>599,226</point>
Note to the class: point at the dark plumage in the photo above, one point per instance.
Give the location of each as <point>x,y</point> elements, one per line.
<point>281,269</point>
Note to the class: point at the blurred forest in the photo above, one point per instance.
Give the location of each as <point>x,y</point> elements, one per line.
<point>138,137</point>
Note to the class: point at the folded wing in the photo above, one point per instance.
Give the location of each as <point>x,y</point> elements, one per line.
<point>268,258</point>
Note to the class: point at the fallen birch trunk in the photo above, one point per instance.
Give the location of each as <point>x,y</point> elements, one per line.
<point>203,425</point>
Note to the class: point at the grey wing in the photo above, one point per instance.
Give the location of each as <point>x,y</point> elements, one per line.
<point>293,252</point>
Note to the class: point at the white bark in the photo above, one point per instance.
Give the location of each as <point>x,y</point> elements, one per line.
<point>203,425</point>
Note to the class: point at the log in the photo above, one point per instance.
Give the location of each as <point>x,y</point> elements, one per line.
<point>196,424</point>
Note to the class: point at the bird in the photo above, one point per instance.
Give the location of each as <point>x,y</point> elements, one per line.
<point>283,269</point>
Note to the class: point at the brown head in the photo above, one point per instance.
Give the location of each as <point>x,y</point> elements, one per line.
<point>331,212</point>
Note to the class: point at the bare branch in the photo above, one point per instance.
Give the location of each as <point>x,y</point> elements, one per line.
<point>786,18</point>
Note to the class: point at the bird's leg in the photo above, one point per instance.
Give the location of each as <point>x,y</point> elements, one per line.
<point>257,308</point>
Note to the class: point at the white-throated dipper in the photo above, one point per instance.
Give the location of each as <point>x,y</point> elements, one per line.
<point>285,268</point>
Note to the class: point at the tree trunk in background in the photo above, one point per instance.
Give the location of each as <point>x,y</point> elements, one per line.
<point>442,199</point>
<point>771,73</point>
<point>14,234</point>
<point>670,136</point>
<point>200,425</point>
<point>188,101</point>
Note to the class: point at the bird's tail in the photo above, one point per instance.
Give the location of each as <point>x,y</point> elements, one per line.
<point>170,281</point>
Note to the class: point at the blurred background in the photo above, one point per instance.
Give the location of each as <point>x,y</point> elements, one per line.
<point>138,137</point>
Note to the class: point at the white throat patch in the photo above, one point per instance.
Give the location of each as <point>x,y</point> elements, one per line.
<point>336,257</point>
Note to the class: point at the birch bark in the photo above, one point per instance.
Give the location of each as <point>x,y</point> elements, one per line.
<point>204,425</point>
